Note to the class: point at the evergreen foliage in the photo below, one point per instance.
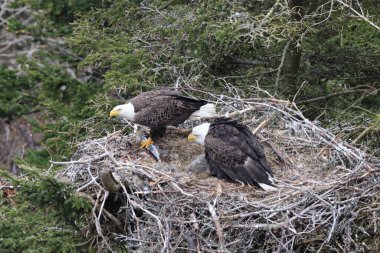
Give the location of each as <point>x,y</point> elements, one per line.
<point>46,216</point>
<point>18,96</point>
<point>66,99</point>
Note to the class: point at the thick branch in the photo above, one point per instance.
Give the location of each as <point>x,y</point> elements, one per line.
<point>332,95</point>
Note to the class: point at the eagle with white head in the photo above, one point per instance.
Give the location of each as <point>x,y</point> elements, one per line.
<point>233,152</point>
<point>161,108</point>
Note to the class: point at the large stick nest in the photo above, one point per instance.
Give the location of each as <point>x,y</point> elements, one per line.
<point>327,199</point>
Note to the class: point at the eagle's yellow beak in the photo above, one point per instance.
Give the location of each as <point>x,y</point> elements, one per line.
<point>114,113</point>
<point>191,137</point>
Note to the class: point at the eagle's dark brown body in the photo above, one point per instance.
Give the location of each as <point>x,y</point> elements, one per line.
<point>233,152</point>
<point>160,108</point>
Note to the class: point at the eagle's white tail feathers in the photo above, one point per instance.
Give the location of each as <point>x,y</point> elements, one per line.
<point>267,187</point>
<point>207,110</point>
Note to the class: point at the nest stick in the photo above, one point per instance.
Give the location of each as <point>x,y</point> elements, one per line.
<point>219,229</point>
<point>105,212</point>
<point>98,226</point>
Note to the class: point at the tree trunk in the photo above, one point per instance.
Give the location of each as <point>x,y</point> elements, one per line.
<point>287,84</point>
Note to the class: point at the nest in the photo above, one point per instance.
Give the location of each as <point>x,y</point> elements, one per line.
<point>327,198</point>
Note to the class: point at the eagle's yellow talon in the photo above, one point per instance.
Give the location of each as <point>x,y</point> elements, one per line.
<point>146,143</point>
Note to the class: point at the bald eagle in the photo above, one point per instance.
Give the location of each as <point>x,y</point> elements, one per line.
<point>160,108</point>
<point>233,152</point>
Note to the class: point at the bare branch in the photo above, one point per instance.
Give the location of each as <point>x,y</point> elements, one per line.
<point>360,15</point>
<point>332,95</point>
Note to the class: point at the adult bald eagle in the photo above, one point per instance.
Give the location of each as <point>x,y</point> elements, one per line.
<point>160,108</point>
<point>233,152</point>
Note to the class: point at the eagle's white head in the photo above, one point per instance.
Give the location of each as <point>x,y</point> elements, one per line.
<point>199,133</point>
<point>126,111</point>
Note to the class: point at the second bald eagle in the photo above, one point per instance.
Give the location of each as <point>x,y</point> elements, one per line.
<point>233,152</point>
